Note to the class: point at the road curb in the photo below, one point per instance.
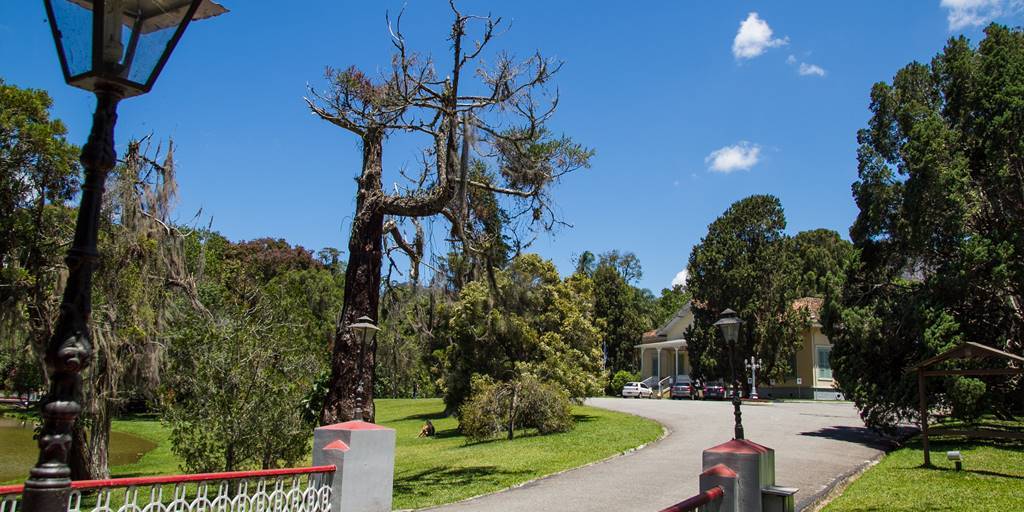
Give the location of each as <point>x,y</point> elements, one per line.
<point>820,499</point>
<point>835,488</point>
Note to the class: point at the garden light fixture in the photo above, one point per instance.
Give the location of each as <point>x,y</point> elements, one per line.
<point>365,331</point>
<point>116,49</point>
<point>729,323</point>
<point>957,460</point>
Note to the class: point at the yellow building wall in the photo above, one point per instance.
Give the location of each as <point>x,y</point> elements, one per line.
<point>806,361</point>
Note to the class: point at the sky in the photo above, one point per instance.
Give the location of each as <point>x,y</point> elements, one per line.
<point>689,106</point>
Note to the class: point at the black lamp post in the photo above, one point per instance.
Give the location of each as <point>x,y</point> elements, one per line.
<point>729,324</point>
<point>116,49</point>
<point>365,331</point>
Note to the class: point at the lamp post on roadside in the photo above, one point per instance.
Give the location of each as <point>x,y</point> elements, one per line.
<point>754,366</point>
<point>365,331</point>
<point>90,39</point>
<point>730,324</point>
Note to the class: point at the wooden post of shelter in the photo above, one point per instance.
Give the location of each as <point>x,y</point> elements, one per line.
<point>923,404</point>
<point>968,350</point>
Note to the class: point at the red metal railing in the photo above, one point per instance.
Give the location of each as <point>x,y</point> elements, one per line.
<point>705,501</point>
<point>269,490</point>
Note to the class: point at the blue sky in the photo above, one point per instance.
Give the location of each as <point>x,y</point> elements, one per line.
<point>689,105</point>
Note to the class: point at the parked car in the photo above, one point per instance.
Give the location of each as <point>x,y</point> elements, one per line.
<point>684,388</point>
<point>715,390</point>
<point>636,390</point>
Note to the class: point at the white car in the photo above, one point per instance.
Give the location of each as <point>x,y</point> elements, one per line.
<point>636,390</point>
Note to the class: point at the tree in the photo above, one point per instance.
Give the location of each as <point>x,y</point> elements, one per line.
<point>38,175</point>
<point>506,109</point>
<point>742,264</point>
<point>938,238</point>
<point>620,308</point>
<point>819,256</point>
<point>668,304</point>
<point>139,289</point>
<point>233,393</point>
<point>533,324</point>
<point>239,375</point>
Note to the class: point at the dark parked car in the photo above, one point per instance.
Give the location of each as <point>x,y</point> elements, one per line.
<point>684,388</point>
<point>715,390</point>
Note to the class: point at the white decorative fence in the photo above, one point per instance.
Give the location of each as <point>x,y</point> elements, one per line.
<point>272,490</point>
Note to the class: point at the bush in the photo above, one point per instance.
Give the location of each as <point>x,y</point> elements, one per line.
<point>620,379</point>
<point>967,396</point>
<point>524,402</point>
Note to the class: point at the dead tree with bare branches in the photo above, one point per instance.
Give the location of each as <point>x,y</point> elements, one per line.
<point>506,102</point>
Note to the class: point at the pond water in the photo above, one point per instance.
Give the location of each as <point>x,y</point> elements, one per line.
<point>18,451</point>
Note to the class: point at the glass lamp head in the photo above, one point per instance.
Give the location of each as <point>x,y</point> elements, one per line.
<point>364,329</point>
<point>729,324</point>
<point>120,44</point>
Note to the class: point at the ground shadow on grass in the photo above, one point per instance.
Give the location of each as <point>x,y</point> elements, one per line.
<point>974,471</point>
<point>956,442</point>
<point>422,417</point>
<point>444,476</point>
<point>584,418</point>
<point>858,435</point>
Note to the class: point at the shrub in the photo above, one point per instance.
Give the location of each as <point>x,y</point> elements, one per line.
<point>620,379</point>
<point>506,406</point>
<point>967,396</point>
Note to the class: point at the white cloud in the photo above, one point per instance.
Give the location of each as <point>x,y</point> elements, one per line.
<point>791,60</point>
<point>739,157</point>
<point>971,13</point>
<point>680,278</point>
<point>754,37</point>
<point>811,70</point>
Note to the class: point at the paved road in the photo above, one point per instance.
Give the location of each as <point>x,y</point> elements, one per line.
<point>815,443</point>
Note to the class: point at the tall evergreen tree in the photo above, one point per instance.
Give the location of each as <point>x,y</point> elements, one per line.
<point>939,238</point>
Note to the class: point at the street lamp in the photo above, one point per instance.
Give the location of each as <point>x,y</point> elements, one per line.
<point>116,49</point>
<point>364,330</point>
<point>754,365</point>
<point>729,324</point>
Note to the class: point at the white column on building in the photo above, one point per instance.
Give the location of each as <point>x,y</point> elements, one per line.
<point>641,362</point>
<point>676,360</point>
<point>657,368</point>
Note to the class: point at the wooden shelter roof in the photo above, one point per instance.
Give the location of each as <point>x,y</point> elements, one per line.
<point>967,350</point>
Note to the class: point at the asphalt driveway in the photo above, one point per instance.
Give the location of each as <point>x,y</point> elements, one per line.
<point>815,444</point>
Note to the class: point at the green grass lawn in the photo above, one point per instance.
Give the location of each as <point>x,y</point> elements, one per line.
<point>443,469</point>
<point>992,479</point>
<point>446,468</point>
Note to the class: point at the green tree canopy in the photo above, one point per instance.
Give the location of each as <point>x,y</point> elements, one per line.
<point>745,263</point>
<point>939,238</point>
<point>533,323</point>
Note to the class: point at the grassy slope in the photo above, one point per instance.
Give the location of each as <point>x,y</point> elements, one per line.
<point>445,468</point>
<point>992,480</point>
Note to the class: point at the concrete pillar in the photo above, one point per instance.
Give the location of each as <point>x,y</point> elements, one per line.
<point>364,454</point>
<point>720,475</point>
<point>753,464</point>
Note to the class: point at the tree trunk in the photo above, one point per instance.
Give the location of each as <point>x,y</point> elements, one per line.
<point>362,294</point>
<point>99,442</point>
<point>78,455</point>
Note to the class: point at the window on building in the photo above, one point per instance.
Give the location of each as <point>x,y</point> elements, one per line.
<point>824,365</point>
